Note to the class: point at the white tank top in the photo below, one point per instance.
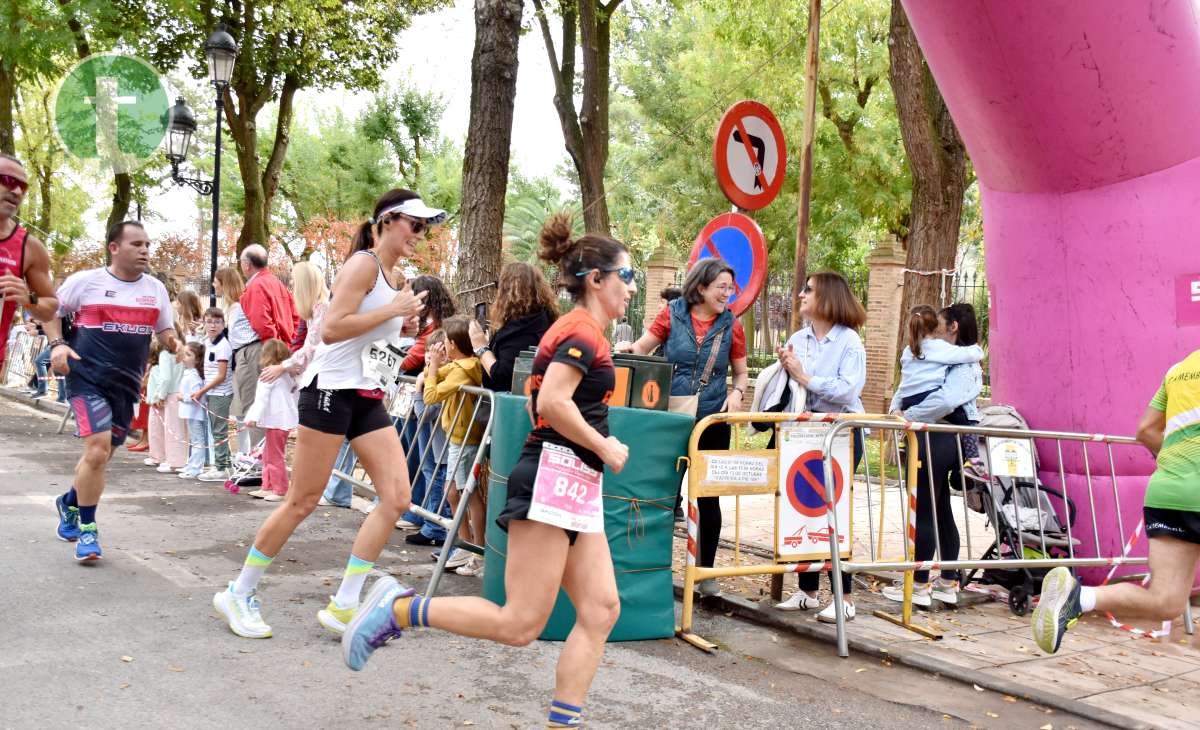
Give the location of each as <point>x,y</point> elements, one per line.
<point>338,366</point>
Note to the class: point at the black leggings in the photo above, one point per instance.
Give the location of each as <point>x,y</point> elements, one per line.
<point>715,436</point>
<point>944,466</point>
<point>809,582</point>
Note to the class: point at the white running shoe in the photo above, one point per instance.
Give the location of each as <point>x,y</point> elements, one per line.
<point>828,616</point>
<point>945,591</point>
<point>273,497</point>
<point>921,595</point>
<point>800,601</point>
<point>149,462</point>
<point>259,493</point>
<point>473,567</point>
<point>185,474</point>
<point>214,475</point>
<point>457,559</point>
<point>242,613</point>
<point>164,468</point>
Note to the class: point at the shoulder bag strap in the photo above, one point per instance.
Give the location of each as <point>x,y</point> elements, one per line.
<point>712,360</point>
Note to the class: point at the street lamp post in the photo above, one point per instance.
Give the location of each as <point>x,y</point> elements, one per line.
<point>221,52</point>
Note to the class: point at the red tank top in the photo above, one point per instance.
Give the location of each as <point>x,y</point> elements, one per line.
<point>12,261</point>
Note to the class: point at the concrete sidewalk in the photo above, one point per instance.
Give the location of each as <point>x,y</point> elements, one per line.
<point>1100,672</point>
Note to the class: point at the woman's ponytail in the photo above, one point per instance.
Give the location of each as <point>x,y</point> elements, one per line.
<point>922,322</point>
<point>363,239</point>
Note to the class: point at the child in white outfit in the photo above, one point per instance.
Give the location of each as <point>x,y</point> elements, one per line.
<point>193,412</point>
<point>274,411</point>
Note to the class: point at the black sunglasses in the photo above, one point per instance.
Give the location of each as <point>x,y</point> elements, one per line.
<point>624,273</point>
<point>417,225</point>
<point>14,183</point>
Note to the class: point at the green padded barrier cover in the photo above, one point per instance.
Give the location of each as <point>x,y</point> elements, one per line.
<point>638,516</point>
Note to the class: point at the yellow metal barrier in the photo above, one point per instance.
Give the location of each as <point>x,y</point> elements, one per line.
<point>745,472</point>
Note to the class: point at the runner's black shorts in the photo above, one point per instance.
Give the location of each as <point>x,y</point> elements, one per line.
<point>343,412</point>
<point>1177,523</point>
<point>520,491</point>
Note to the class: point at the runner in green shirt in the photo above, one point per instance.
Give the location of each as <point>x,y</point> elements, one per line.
<point>1170,428</point>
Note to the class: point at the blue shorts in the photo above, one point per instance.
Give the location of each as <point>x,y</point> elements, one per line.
<point>96,413</point>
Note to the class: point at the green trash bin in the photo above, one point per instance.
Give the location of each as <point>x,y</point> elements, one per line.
<point>639,506</point>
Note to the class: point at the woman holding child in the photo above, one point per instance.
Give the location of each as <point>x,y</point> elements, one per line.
<point>340,399</point>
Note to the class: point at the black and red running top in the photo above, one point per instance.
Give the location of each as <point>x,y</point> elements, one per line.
<point>114,321</point>
<point>576,340</point>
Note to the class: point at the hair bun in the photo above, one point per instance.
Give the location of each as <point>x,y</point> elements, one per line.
<point>556,238</point>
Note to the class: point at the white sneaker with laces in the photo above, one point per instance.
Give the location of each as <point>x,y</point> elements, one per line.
<point>828,616</point>
<point>241,613</point>
<point>921,593</point>
<point>945,591</point>
<point>214,475</point>
<point>473,567</point>
<point>457,559</point>
<point>164,468</point>
<point>800,601</point>
<point>149,462</point>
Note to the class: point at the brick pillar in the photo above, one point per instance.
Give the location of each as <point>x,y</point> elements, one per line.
<point>660,274</point>
<point>885,294</point>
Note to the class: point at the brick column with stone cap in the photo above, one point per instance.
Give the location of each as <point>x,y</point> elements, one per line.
<point>661,270</point>
<point>885,296</point>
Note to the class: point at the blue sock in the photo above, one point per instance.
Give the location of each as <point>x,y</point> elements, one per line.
<point>71,498</point>
<point>564,715</point>
<point>87,515</point>
<point>418,611</point>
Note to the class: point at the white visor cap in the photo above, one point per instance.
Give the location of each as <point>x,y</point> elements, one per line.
<point>414,208</point>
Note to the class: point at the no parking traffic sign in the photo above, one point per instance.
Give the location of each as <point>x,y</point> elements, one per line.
<point>802,523</point>
<point>750,155</point>
<point>737,239</point>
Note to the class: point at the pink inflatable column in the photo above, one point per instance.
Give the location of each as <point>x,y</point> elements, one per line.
<point>1083,122</point>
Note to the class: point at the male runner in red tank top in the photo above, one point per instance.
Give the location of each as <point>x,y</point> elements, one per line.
<point>24,263</point>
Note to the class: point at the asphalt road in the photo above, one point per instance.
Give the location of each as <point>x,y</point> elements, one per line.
<point>133,642</point>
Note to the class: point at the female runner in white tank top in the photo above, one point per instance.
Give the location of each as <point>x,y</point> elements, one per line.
<point>339,400</point>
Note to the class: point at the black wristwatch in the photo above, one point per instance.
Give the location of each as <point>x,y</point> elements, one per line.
<point>480,350</point>
<point>33,298</point>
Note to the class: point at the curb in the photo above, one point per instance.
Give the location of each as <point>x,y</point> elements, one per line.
<point>42,404</point>
<point>749,611</point>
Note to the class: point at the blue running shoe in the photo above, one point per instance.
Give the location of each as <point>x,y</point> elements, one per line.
<point>1058,609</point>
<point>374,624</point>
<point>68,520</point>
<point>87,549</point>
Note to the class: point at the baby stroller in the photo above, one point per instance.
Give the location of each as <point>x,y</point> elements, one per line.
<point>247,469</point>
<point>1019,508</point>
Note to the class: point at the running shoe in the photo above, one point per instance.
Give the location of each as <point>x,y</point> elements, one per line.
<point>945,591</point>
<point>164,468</point>
<point>458,558</point>
<point>921,596</point>
<point>828,614</point>
<point>473,567</point>
<point>800,601</point>
<point>187,474</point>
<point>1058,609</point>
<point>68,520</point>
<point>242,613</point>
<point>334,618</point>
<point>149,462</point>
<point>87,547</point>
<point>374,624</point>
<point>708,587</point>
<point>214,475</point>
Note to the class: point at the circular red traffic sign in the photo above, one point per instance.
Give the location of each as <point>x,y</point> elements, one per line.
<point>738,240</point>
<point>806,484</point>
<point>750,155</point>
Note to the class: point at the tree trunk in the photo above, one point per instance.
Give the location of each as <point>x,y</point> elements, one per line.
<point>585,133</point>
<point>8,89</point>
<point>489,133</point>
<point>936,157</point>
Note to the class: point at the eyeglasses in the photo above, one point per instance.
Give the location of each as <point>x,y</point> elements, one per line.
<point>13,183</point>
<point>625,273</point>
<point>806,290</point>
<point>417,225</point>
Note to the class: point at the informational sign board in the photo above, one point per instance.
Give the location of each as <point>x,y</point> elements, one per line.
<point>750,155</point>
<point>1187,300</point>
<point>738,240</point>
<point>802,530</point>
<point>1011,458</point>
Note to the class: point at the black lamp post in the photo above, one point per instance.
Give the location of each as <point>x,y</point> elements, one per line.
<point>221,51</point>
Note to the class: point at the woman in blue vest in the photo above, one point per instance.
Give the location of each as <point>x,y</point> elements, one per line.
<point>701,339</point>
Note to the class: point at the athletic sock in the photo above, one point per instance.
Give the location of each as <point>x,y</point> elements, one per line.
<point>411,611</point>
<point>87,515</point>
<point>1087,599</point>
<point>352,582</point>
<point>71,498</point>
<point>564,715</point>
<point>252,570</point>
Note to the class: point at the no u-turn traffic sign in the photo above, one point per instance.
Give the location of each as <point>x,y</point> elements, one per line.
<point>750,155</point>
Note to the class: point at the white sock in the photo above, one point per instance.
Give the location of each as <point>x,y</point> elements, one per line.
<point>1087,599</point>
<point>352,582</point>
<point>252,571</point>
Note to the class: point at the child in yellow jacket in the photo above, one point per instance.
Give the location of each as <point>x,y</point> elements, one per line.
<point>449,366</point>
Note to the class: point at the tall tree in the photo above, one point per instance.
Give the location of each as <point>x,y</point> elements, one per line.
<point>406,120</point>
<point>937,159</point>
<point>585,130</point>
<point>284,46</point>
<point>489,134</point>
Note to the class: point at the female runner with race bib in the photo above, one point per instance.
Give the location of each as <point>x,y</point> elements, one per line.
<point>341,397</point>
<point>552,514</point>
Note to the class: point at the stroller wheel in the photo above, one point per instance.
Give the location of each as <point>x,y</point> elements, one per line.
<point>232,486</point>
<point>1018,600</point>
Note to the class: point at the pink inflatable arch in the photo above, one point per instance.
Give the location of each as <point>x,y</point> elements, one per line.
<point>1082,119</point>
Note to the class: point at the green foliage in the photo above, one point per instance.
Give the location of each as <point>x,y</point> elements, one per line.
<point>407,120</point>
<point>528,203</point>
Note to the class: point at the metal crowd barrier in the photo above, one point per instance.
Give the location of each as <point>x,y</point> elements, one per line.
<point>21,356</point>
<point>408,422</point>
<point>1039,524</point>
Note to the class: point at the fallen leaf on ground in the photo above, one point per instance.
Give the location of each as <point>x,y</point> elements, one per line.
<point>860,670</point>
<point>123,685</point>
<point>1047,726</point>
<point>174,669</point>
<point>1009,698</point>
<point>126,659</point>
<point>977,688</point>
<point>989,713</point>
